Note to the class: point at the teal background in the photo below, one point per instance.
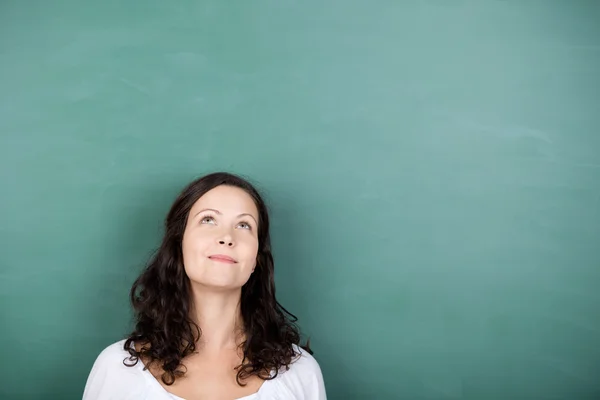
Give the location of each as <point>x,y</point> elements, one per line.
<point>433,169</point>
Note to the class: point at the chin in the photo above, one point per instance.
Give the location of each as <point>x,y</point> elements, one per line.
<point>218,283</point>
<point>221,286</point>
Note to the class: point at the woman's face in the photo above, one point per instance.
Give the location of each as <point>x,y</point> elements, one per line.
<point>220,241</point>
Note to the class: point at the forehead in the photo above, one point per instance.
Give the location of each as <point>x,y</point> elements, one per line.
<point>227,199</point>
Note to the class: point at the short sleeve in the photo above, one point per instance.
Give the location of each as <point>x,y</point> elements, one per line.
<point>304,379</point>
<point>111,379</point>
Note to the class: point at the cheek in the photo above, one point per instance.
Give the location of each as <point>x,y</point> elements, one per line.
<point>194,244</point>
<point>250,246</point>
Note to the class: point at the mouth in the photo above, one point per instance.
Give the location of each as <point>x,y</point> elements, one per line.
<point>222,258</point>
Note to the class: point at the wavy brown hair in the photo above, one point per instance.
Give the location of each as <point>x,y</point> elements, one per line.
<point>161,299</point>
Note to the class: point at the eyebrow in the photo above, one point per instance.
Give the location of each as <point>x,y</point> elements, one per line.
<point>220,213</point>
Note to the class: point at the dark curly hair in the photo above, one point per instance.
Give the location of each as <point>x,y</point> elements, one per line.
<point>161,299</point>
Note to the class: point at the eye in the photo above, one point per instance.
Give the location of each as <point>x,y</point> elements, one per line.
<point>245,225</point>
<point>207,220</point>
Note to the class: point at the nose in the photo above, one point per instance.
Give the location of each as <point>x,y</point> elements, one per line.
<point>226,239</point>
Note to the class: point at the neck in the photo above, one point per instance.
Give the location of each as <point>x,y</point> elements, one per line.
<point>219,317</point>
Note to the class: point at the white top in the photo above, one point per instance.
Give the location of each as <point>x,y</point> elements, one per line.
<point>111,379</point>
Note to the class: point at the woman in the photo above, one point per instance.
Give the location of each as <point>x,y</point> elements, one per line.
<point>208,323</point>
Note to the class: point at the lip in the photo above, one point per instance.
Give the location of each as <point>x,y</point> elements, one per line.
<point>222,258</point>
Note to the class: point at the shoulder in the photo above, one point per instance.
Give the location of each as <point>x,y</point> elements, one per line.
<point>112,358</point>
<point>303,379</point>
<point>112,353</point>
<point>304,363</point>
<point>109,376</point>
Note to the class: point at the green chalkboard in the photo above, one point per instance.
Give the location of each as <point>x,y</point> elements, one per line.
<point>432,167</point>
